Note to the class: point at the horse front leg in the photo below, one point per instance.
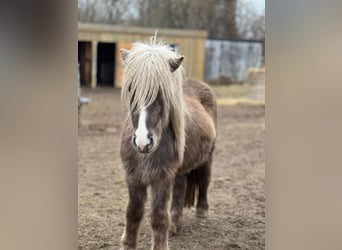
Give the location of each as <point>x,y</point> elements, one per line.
<point>134,214</point>
<point>160,214</point>
<point>178,195</point>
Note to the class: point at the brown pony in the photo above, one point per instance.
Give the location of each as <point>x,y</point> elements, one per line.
<point>167,140</point>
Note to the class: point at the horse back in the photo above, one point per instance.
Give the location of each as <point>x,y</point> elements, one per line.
<point>201,92</point>
<point>200,126</point>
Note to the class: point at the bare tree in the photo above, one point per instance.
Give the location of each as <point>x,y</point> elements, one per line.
<point>258,28</point>
<point>107,11</point>
<point>86,10</point>
<point>216,16</point>
<point>250,23</point>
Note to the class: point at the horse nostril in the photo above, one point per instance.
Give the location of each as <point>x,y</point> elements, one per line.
<point>133,141</point>
<point>150,145</point>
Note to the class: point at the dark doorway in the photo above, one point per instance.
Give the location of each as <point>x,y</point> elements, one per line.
<point>84,60</point>
<point>105,64</point>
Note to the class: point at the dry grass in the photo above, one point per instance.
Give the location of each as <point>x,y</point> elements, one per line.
<point>231,91</point>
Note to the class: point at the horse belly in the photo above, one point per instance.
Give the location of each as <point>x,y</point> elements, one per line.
<point>200,141</point>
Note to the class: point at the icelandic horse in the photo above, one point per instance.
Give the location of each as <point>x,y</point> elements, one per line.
<point>167,140</point>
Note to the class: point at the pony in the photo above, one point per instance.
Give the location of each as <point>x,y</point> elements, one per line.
<point>167,140</point>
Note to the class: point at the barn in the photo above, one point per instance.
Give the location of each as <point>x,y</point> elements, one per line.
<point>99,46</point>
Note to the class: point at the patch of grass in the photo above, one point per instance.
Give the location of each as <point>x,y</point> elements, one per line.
<point>239,101</point>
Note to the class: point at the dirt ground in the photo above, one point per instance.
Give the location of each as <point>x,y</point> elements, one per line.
<point>236,193</point>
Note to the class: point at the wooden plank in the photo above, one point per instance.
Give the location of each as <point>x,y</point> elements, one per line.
<point>200,59</point>
<point>87,64</point>
<point>90,27</point>
<point>94,63</point>
<point>119,62</point>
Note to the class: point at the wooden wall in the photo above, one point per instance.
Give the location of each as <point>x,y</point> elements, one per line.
<point>191,43</point>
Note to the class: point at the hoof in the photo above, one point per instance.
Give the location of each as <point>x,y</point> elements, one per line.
<point>201,213</point>
<point>174,230</point>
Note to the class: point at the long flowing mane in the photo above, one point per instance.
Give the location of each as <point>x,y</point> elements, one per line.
<point>146,74</point>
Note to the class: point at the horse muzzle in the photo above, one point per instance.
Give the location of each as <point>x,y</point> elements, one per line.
<point>143,148</point>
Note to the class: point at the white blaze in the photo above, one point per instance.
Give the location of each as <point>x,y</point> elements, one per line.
<point>141,133</point>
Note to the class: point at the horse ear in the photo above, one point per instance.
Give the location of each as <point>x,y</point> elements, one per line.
<point>175,63</point>
<point>124,54</point>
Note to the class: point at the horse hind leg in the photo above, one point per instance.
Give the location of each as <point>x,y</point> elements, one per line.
<point>203,179</point>
<point>178,195</point>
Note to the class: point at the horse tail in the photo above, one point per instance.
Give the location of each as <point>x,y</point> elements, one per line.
<point>191,188</point>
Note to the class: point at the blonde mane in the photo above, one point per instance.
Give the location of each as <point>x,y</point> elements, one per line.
<point>147,73</point>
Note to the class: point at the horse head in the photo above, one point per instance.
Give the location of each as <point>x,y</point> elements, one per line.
<point>151,89</point>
